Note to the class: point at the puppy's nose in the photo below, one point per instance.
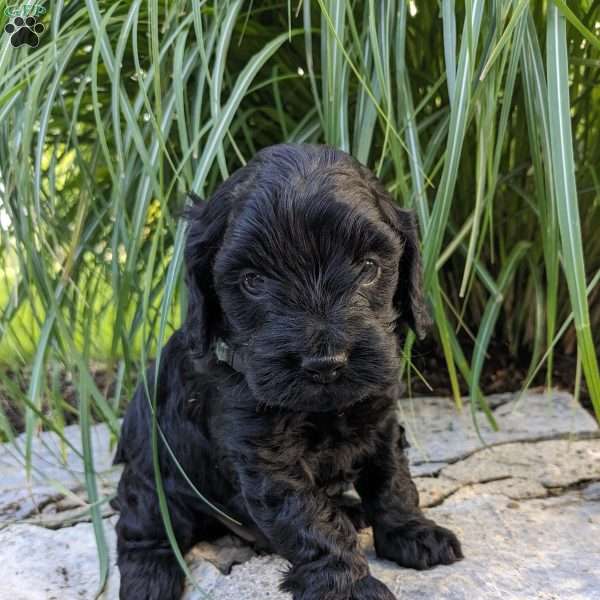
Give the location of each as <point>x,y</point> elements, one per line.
<point>324,369</point>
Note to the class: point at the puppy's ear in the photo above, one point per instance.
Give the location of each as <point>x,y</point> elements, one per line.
<point>409,298</point>
<point>207,224</point>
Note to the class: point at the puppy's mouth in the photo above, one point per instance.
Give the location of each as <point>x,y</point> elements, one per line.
<point>321,397</point>
<point>309,396</point>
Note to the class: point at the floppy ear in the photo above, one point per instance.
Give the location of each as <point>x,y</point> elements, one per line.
<point>205,234</point>
<point>208,223</point>
<point>409,298</point>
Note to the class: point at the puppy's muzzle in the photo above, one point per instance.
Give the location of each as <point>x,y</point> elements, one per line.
<point>324,369</point>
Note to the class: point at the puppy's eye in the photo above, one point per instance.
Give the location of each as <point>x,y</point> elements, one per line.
<point>369,272</point>
<point>253,283</point>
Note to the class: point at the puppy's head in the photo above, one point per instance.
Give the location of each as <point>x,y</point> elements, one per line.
<point>302,263</point>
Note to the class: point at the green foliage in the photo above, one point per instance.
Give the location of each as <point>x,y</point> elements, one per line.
<point>465,111</point>
<point>483,116</point>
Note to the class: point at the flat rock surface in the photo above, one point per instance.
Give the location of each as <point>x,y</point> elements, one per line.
<point>526,508</point>
<point>56,464</point>
<point>439,435</point>
<point>542,549</point>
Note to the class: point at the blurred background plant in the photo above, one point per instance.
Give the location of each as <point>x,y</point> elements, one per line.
<point>483,116</point>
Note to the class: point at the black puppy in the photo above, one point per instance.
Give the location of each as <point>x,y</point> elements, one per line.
<point>279,391</point>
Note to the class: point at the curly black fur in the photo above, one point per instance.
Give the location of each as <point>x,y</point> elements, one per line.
<point>275,445</point>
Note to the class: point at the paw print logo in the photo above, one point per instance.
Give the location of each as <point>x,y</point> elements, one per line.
<point>24,31</point>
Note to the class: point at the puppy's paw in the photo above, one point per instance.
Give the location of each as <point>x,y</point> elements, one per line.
<point>150,578</point>
<point>370,588</point>
<point>327,587</point>
<point>418,544</point>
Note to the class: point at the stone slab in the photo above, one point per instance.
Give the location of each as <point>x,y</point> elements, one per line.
<point>552,463</point>
<point>41,564</point>
<point>56,466</point>
<point>527,510</point>
<point>539,549</point>
<point>547,549</point>
<point>438,434</point>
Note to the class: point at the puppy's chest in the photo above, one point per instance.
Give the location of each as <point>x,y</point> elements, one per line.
<point>334,447</point>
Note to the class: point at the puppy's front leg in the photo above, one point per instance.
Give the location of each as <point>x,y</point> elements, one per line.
<point>400,530</point>
<point>319,541</point>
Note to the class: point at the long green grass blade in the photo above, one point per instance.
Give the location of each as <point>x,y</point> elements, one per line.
<point>563,166</point>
